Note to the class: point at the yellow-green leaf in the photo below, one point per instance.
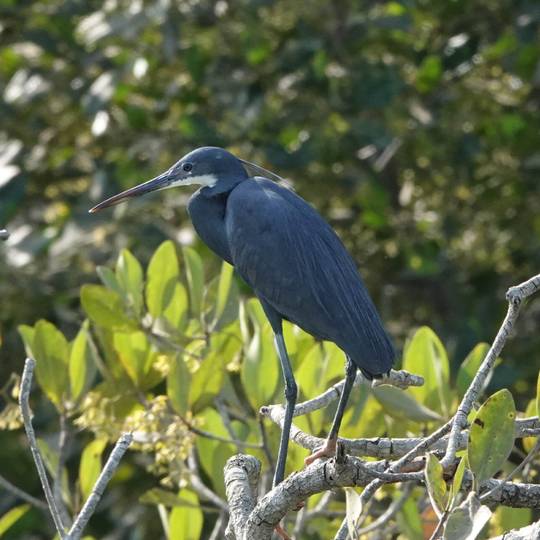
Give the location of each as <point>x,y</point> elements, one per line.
<point>491,436</point>
<point>12,516</point>
<point>82,367</point>
<point>458,478</point>
<point>195,278</point>
<point>260,369</point>
<point>436,486</point>
<point>162,277</point>
<point>469,367</point>
<point>135,354</point>
<point>129,275</point>
<point>51,352</point>
<point>178,384</point>
<point>224,288</point>
<point>185,522</point>
<point>425,355</point>
<point>27,335</point>
<point>90,466</point>
<point>104,307</point>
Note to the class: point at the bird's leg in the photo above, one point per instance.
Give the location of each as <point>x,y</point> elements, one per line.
<point>291,391</point>
<point>329,448</point>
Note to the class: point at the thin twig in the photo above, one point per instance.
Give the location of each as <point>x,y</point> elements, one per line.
<point>99,487</point>
<point>8,486</point>
<point>26,385</point>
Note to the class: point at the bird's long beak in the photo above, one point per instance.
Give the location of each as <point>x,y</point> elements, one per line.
<point>159,182</point>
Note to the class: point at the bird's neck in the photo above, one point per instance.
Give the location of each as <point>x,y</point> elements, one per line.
<point>208,218</point>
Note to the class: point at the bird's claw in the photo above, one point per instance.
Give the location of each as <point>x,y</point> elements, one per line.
<point>281,532</point>
<point>328,450</point>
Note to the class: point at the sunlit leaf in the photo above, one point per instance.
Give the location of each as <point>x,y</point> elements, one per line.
<point>260,369</point>
<point>354,509</point>
<point>178,384</point>
<point>195,278</point>
<point>129,276</point>
<point>90,466</point>
<point>491,436</point>
<point>51,352</point>
<point>469,367</point>
<point>162,278</point>
<point>425,355</point>
<point>135,354</point>
<point>12,516</point>
<point>104,307</point>
<point>82,367</point>
<point>436,486</point>
<point>185,522</point>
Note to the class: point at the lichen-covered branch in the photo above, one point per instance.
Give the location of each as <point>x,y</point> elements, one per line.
<point>24,397</point>
<point>241,478</point>
<point>99,487</point>
<point>101,483</point>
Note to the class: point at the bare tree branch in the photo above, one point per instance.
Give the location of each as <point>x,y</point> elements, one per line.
<point>515,297</point>
<point>241,478</point>
<point>99,487</point>
<point>26,385</point>
<point>8,486</point>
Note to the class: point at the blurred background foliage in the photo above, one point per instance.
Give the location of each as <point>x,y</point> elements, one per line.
<point>413,126</point>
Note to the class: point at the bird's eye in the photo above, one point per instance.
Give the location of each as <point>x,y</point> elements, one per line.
<point>187,167</point>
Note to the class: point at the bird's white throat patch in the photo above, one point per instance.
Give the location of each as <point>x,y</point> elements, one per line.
<point>208,180</point>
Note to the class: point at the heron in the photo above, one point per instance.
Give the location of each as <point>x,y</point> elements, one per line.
<point>292,259</point>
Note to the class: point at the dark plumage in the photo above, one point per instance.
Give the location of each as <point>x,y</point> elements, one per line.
<point>293,260</point>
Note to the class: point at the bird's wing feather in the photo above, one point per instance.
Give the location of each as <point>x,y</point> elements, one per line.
<point>296,263</point>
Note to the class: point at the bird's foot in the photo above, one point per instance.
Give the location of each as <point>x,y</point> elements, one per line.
<point>326,451</point>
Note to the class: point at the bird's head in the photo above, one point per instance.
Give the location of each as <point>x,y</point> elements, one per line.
<point>213,168</point>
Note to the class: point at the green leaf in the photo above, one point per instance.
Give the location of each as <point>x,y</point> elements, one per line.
<point>425,355</point>
<point>27,334</point>
<point>354,509</point>
<point>161,278</point>
<point>195,278</point>
<point>90,466</point>
<point>135,355</point>
<point>104,307</point>
<point>458,479</point>
<point>51,352</point>
<point>491,436</point>
<point>185,523</point>
<point>401,405</point>
<point>12,516</point>
<point>436,486</point>
<point>108,278</point>
<point>469,367</point>
<point>129,275</point>
<point>178,384</point>
<point>260,369</point>
<point>224,290</point>
<point>505,519</point>
<point>213,454</point>
<point>467,520</point>
<point>429,73</point>
<point>82,367</point>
